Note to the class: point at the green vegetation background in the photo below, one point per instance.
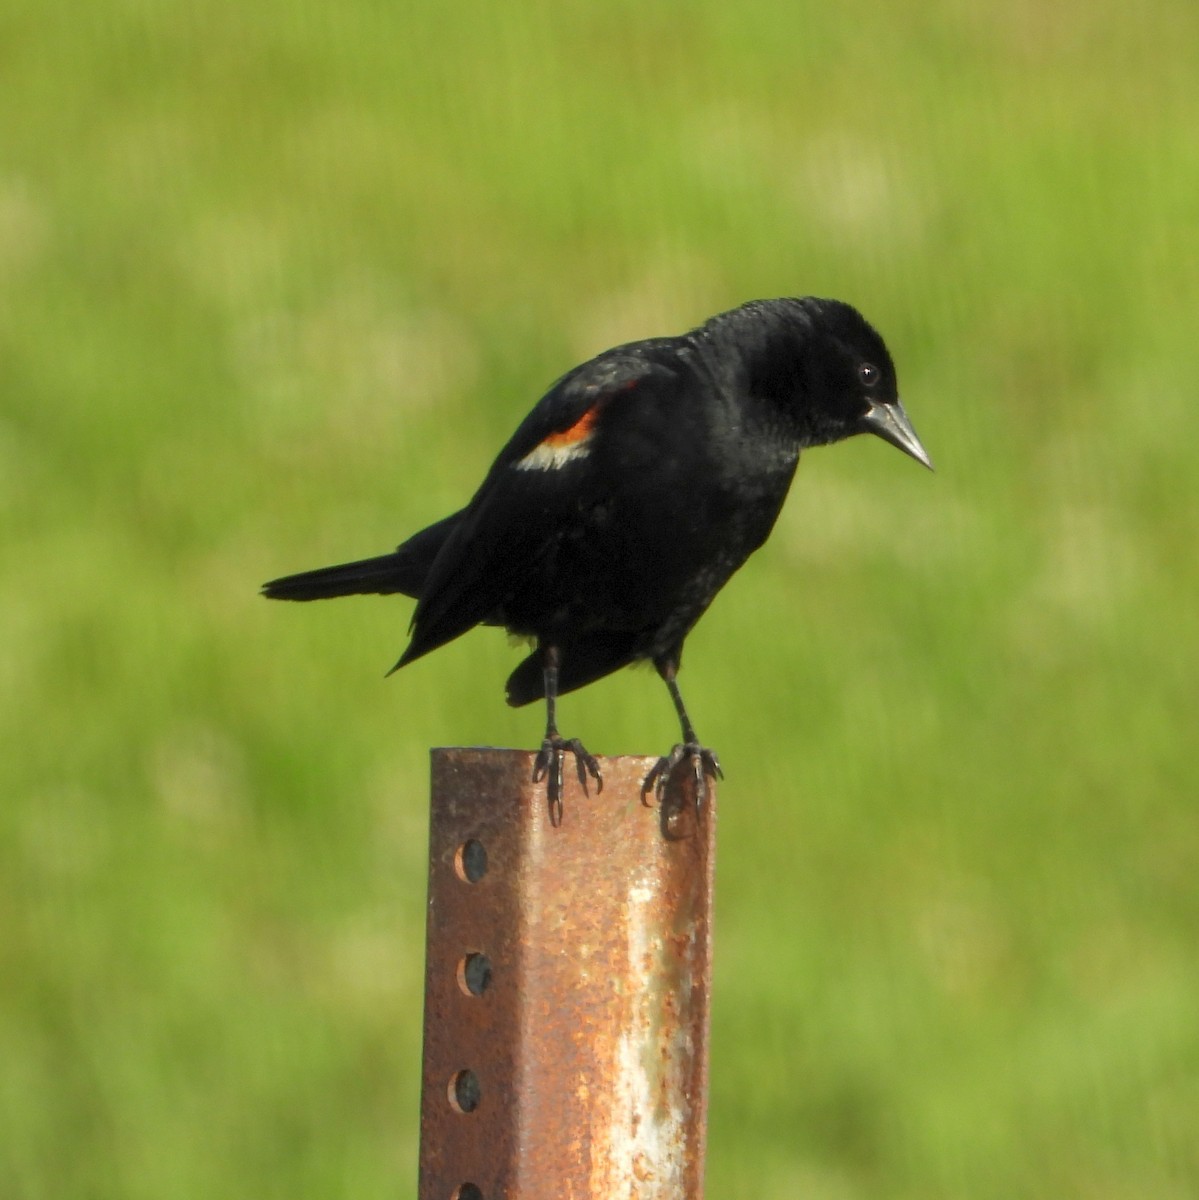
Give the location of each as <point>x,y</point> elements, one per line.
<point>277,279</point>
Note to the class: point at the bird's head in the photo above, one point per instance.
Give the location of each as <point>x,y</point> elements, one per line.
<point>827,367</point>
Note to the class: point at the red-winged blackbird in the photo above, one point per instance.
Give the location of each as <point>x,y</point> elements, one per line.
<point>626,499</point>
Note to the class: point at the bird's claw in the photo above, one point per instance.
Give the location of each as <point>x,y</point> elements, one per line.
<point>548,765</point>
<point>704,764</point>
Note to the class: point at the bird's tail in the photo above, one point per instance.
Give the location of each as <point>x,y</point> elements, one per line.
<point>403,571</point>
<point>367,576</point>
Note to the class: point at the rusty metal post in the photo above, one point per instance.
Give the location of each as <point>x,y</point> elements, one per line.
<point>567,982</point>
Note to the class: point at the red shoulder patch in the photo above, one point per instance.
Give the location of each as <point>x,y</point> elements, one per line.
<point>566,445</point>
<point>578,431</point>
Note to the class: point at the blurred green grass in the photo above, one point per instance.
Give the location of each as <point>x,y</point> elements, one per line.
<point>275,283</point>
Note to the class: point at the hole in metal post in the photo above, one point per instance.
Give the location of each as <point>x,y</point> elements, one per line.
<point>470,861</point>
<point>474,974</point>
<point>468,1191</point>
<point>464,1092</point>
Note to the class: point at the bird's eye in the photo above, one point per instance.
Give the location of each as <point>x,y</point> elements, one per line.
<point>869,374</point>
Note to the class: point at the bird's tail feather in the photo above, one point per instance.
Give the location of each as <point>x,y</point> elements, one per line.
<point>368,576</point>
<point>404,570</point>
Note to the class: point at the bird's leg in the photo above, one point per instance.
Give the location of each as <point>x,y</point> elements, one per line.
<point>704,762</point>
<point>554,746</point>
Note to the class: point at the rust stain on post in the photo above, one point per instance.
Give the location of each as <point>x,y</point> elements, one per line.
<point>567,982</point>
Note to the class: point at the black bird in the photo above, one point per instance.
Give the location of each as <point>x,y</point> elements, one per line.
<point>627,498</point>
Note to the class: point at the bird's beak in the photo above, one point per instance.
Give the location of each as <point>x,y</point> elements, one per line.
<point>891,423</point>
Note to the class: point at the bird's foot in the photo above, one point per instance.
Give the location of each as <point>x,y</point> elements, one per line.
<point>704,765</point>
<point>548,765</point>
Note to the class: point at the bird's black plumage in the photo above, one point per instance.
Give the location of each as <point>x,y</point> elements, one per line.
<point>629,495</point>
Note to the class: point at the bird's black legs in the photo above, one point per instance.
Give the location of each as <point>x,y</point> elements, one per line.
<point>704,762</point>
<point>548,762</point>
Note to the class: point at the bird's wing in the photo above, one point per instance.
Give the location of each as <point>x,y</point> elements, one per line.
<point>534,493</point>
<point>565,418</point>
